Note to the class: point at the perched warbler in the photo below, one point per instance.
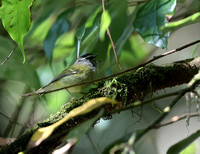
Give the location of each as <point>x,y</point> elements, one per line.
<point>81,71</point>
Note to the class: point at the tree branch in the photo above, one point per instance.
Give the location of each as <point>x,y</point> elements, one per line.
<point>126,89</point>
<point>120,73</point>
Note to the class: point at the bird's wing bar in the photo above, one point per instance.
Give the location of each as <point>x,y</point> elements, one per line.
<point>65,74</point>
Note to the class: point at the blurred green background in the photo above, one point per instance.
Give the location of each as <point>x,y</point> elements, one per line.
<point>51,46</point>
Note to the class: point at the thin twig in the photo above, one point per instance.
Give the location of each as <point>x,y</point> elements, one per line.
<point>110,37</point>
<point>94,145</point>
<point>139,103</point>
<point>177,118</point>
<point>191,86</point>
<point>9,55</point>
<point>117,74</point>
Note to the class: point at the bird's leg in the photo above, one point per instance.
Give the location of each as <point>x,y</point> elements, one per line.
<point>69,92</point>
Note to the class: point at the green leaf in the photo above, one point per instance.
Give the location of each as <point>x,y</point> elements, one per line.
<point>89,23</point>
<point>88,33</point>
<point>191,149</point>
<point>48,8</point>
<point>13,69</point>
<point>181,23</point>
<point>16,18</point>
<point>91,19</point>
<point>91,36</point>
<point>80,32</point>
<point>105,23</point>
<point>59,27</point>
<point>150,17</point>
<point>178,147</point>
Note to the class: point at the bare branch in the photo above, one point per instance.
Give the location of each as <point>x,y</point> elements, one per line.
<point>9,55</point>
<point>178,118</point>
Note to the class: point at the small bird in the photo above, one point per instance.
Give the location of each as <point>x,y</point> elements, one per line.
<point>81,71</point>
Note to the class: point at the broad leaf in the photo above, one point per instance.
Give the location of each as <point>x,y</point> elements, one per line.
<point>60,26</point>
<point>150,17</point>
<point>80,32</point>
<point>178,147</point>
<point>16,18</point>
<point>88,33</point>
<point>13,69</point>
<point>91,36</point>
<point>48,8</point>
<point>105,22</point>
<point>89,23</point>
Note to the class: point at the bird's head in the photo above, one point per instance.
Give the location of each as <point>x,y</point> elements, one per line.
<point>87,59</point>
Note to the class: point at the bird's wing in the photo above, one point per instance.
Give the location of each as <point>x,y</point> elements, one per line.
<point>66,73</point>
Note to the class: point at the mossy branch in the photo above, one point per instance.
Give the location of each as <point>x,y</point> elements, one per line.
<point>126,89</point>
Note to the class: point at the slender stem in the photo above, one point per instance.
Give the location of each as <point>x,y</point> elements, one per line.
<point>162,116</point>
<point>9,55</point>
<point>110,37</point>
<point>95,147</point>
<point>177,118</point>
<point>139,103</point>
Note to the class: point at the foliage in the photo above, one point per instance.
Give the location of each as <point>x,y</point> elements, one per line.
<point>54,33</point>
<point>148,22</point>
<point>16,16</point>
<point>178,147</point>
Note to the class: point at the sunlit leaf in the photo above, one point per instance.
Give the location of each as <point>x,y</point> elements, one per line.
<point>43,133</point>
<point>105,23</point>
<point>191,149</point>
<point>91,19</point>
<point>150,17</point>
<point>13,69</point>
<point>178,147</point>
<point>16,18</point>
